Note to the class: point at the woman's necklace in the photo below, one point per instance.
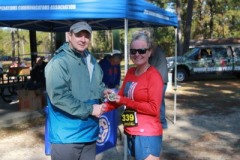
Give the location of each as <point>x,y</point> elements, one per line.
<point>139,71</point>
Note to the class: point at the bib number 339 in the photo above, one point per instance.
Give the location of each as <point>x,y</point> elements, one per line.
<point>129,118</point>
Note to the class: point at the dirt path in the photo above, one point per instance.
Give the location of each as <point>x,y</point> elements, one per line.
<point>207,127</point>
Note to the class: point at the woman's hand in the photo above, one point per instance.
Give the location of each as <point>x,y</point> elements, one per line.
<point>106,92</point>
<point>111,95</point>
<point>98,110</point>
<point>117,98</point>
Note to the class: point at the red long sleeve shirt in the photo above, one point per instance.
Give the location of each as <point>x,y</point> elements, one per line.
<point>143,94</point>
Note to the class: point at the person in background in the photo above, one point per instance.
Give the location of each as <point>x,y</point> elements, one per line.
<point>158,60</point>
<point>22,64</point>
<point>74,88</point>
<point>37,75</point>
<point>14,64</point>
<point>141,93</point>
<point>18,63</point>
<point>1,68</point>
<point>111,70</point>
<point>1,72</point>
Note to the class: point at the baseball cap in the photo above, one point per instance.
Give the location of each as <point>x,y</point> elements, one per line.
<point>80,26</point>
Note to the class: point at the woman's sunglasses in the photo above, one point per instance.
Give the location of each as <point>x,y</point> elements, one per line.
<point>140,51</point>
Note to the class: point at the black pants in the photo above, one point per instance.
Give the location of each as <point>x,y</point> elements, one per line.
<point>77,151</point>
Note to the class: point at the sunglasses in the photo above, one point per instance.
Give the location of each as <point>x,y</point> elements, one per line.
<point>140,51</point>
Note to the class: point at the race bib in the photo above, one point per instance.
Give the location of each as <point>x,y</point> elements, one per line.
<point>129,118</point>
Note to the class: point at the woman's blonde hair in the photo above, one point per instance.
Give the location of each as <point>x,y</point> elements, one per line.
<point>142,35</point>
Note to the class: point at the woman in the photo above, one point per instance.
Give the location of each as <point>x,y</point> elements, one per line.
<point>140,92</point>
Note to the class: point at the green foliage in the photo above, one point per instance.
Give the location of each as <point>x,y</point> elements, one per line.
<point>21,41</point>
<point>102,41</point>
<point>5,42</point>
<point>165,37</point>
<point>224,15</point>
<point>43,41</point>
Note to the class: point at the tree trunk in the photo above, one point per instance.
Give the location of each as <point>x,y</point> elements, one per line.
<point>18,46</point>
<point>13,45</point>
<point>33,46</point>
<point>211,6</point>
<point>187,32</point>
<point>179,33</point>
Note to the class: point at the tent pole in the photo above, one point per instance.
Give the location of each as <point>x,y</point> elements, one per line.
<point>125,45</point>
<point>175,78</point>
<point>125,71</point>
<point>112,41</point>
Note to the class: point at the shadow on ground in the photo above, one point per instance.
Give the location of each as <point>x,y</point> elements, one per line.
<point>207,127</point>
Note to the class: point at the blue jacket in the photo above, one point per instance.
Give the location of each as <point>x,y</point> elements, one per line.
<point>71,95</point>
<point>111,73</point>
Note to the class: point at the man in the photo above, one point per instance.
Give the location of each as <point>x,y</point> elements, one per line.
<point>74,88</point>
<point>1,73</point>
<point>37,75</point>
<point>111,70</point>
<point>159,61</point>
<point>1,68</point>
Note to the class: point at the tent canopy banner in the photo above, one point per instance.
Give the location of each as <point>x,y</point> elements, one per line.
<point>58,15</point>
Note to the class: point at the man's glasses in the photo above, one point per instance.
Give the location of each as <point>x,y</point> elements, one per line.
<point>140,51</point>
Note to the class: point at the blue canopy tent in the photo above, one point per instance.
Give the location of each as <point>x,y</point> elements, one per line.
<point>59,15</point>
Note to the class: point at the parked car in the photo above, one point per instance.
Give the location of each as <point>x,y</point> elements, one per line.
<point>206,60</point>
